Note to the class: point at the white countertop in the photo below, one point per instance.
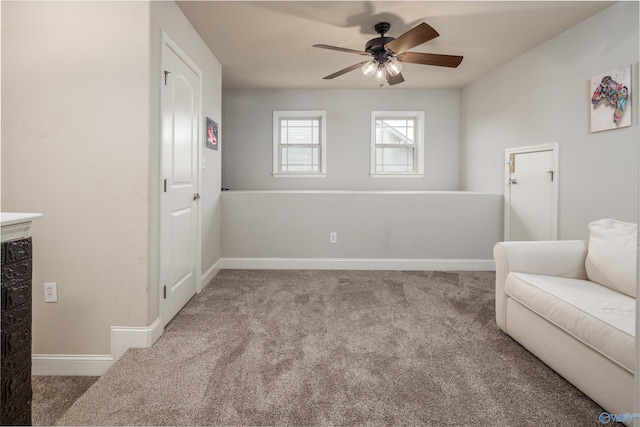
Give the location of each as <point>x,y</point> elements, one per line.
<point>17,225</point>
<point>9,218</point>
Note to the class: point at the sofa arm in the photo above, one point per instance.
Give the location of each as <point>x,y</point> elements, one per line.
<point>563,258</point>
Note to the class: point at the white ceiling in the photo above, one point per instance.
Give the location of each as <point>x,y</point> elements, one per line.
<point>267,44</point>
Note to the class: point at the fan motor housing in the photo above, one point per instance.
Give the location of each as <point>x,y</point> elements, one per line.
<point>376,46</point>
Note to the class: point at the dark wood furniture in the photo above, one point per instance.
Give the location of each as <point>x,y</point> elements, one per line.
<point>15,357</point>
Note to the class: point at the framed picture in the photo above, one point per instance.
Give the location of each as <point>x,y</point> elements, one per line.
<point>212,134</point>
<point>611,99</point>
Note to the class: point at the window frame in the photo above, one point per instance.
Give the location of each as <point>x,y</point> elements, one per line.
<point>418,145</point>
<point>320,115</point>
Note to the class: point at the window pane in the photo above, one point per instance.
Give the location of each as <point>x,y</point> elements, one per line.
<point>300,131</point>
<point>394,159</point>
<point>395,131</point>
<point>300,135</point>
<point>300,159</point>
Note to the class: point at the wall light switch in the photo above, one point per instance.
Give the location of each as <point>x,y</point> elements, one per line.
<point>333,237</point>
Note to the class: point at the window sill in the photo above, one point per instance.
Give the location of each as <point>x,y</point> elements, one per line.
<point>396,175</point>
<point>298,175</point>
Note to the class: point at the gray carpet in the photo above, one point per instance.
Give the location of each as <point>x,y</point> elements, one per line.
<point>54,395</point>
<point>335,348</point>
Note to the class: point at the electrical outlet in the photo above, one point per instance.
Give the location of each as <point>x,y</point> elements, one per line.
<point>51,292</point>
<point>333,237</point>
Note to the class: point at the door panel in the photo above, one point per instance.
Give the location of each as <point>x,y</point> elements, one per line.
<point>179,213</point>
<point>531,206</point>
<point>183,251</point>
<point>182,141</point>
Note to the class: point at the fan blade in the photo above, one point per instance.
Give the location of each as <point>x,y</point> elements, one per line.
<point>394,80</point>
<point>412,38</point>
<point>341,49</point>
<point>430,59</point>
<point>346,70</point>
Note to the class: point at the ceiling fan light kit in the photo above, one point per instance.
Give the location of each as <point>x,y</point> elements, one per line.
<point>389,52</point>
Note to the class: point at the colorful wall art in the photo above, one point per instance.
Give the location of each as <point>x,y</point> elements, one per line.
<point>212,134</point>
<point>611,99</point>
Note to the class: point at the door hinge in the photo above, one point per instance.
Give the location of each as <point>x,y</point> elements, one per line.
<point>165,185</point>
<point>164,291</point>
<point>512,163</point>
<point>165,77</point>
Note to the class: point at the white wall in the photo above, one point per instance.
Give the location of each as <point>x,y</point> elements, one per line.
<point>75,146</point>
<point>382,226</point>
<point>248,116</point>
<point>544,96</point>
<point>81,144</point>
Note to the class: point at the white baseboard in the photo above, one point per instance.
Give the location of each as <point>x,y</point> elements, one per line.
<point>122,339</point>
<point>211,273</point>
<point>359,264</point>
<point>70,364</point>
<point>126,337</point>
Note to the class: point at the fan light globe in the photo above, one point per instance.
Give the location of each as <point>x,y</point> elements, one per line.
<point>393,66</point>
<point>381,74</point>
<point>370,68</point>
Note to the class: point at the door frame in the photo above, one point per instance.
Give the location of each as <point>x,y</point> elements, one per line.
<point>166,41</point>
<point>553,147</point>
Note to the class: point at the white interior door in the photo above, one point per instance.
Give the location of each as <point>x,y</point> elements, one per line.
<point>179,252</point>
<point>531,194</point>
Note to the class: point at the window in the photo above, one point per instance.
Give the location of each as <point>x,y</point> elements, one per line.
<point>299,144</point>
<point>397,144</point>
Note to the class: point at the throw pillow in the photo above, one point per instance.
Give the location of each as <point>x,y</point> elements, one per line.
<point>611,259</point>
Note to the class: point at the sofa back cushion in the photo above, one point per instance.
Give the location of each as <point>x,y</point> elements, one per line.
<point>611,259</point>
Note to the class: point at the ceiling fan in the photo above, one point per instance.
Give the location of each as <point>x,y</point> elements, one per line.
<point>389,52</point>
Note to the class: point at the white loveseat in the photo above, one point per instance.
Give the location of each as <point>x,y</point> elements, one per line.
<point>572,304</point>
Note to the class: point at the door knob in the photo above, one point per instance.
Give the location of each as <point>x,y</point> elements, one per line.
<point>196,196</point>
<point>513,181</point>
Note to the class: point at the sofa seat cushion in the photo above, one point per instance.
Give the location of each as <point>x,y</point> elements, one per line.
<point>598,316</point>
